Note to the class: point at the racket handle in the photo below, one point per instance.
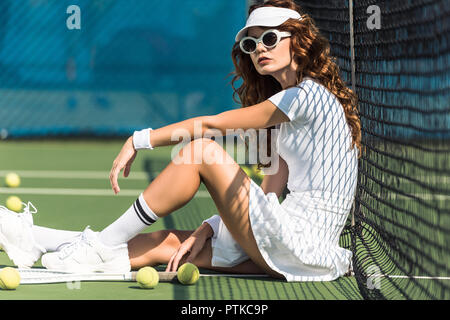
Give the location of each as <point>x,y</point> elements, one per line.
<point>163,276</point>
<point>167,276</point>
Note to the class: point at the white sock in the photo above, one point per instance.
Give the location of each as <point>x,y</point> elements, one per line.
<point>138,217</point>
<point>52,239</point>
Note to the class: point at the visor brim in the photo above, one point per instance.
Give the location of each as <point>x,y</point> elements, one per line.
<point>275,22</point>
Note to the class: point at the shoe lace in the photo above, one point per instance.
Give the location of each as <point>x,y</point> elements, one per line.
<point>79,242</point>
<point>26,208</point>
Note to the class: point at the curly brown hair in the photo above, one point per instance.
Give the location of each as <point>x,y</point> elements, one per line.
<point>312,54</point>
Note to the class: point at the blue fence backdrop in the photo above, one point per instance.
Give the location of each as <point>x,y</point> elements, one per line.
<point>133,64</point>
<point>148,63</point>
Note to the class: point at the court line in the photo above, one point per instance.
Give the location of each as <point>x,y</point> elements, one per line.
<point>408,277</point>
<point>134,175</point>
<point>134,192</point>
<point>54,174</point>
<point>375,276</point>
<point>84,192</point>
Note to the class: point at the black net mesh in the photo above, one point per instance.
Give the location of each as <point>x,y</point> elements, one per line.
<point>402,221</point>
<point>132,64</point>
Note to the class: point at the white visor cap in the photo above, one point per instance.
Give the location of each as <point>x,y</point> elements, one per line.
<point>267,17</point>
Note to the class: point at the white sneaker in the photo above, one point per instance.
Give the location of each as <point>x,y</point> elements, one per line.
<point>88,254</point>
<point>16,236</point>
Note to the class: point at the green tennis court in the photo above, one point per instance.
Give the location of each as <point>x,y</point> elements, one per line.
<point>67,96</point>
<point>55,178</point>
<point>68,183</point>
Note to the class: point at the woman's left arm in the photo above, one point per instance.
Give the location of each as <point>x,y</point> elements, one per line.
<point>262,115</point>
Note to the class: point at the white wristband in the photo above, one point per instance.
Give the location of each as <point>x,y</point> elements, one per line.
<point>141,139</point>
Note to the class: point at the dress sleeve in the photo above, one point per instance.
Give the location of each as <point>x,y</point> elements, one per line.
<point>214,222</point>
<point>294,101</point>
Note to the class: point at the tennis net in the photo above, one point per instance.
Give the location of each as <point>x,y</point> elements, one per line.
<point>400,233</point>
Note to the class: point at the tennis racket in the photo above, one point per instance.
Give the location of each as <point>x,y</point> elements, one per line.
<point>37,276</point>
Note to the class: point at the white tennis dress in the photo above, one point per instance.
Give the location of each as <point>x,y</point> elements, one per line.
<point>299,237</point>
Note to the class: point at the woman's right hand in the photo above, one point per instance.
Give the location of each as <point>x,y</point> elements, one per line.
<point>191,247</point>
<point>124,160</point>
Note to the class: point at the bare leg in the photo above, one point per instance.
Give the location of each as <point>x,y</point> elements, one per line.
<point>155,248</point>
<point>227,184</point>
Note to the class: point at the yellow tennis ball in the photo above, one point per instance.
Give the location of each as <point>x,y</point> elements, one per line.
<point>247,170</point>
<point>14,203</point>
<point>188,273</point>
<point>147,277</point>
<point>9,278</point>
<point>257,173</point>
<point>12,180</point>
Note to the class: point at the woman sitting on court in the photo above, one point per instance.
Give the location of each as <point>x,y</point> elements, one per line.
<point>290,85</point>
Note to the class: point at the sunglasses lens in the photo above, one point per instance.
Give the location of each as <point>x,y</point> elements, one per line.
<point>249,45</point>
<point>270,39</point>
